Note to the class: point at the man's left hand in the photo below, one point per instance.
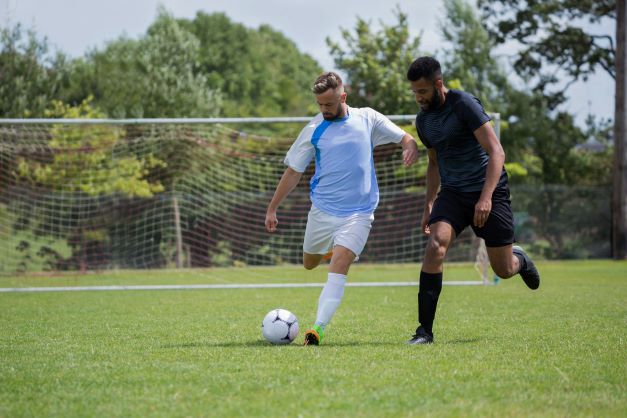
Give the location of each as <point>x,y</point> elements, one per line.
<point>482,211</point>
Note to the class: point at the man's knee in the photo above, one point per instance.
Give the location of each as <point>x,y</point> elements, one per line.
<point>504,270</point>
<point>342,259</point>
<point>436,249</point>
<point>310,265</point>
<point>311,261</point>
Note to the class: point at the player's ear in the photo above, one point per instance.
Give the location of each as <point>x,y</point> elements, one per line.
<point>439,83</point>
<point>343,97</point>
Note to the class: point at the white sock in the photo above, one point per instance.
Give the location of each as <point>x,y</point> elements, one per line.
<point>330,298</point>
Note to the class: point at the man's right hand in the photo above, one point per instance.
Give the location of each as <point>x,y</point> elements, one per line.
<point>424,222</point>
<point>271,220</point>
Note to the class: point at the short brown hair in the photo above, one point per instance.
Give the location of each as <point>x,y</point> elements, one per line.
<point>326,81</point>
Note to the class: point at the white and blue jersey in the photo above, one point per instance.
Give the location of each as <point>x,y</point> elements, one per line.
<point>344,182</point>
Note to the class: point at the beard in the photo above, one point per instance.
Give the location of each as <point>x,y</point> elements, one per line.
<point>333,115</point>
<point>435,102</point>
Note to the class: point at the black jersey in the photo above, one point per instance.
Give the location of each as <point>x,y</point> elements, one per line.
<point>462,162</point>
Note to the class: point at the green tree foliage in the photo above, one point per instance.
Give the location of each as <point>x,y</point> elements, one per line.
<point>469,57</point>
<point>82,159</point>
<point>203,67</point>
<point>376,63</point>
<point>29,76</point>
<point>593,158</point>
<point>74,170</point>
<point>155,76</point>
<point>554,38</point>
<point>259,71</point>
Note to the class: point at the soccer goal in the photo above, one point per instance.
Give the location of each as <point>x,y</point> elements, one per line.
<point>107,194</point>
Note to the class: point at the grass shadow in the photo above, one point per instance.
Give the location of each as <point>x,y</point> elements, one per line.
<point>263,343</point>
<point>462,341</point>
<point>231,344</point>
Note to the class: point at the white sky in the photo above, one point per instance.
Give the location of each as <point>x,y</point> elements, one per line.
<point>74,26</point>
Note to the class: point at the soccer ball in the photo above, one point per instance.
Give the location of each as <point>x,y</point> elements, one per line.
<point>280,326</point>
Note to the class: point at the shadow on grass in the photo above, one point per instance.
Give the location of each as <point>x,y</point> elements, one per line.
<point>252,343</point>
<point>462,341</point>
<point>263,343</point>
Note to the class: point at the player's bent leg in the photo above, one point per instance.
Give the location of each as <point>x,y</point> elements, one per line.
<point>440,238</point>
<point>311,261</point>
<point>503,261</point>
<point>509,260</point>
<point>341,260</point>
<point>528,270</point>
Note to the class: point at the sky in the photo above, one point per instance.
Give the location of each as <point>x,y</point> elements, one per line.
<point>75,26</point>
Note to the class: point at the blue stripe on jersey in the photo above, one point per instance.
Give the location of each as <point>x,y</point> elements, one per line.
<point>373,178</point>
<point>315,138</point>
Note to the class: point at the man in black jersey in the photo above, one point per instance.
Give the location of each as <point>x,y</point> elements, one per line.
<point>466,166</point>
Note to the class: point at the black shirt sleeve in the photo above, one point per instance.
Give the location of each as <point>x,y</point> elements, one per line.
<point>470,111</point>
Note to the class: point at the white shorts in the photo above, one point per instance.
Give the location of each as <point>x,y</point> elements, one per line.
<point>325,231</point>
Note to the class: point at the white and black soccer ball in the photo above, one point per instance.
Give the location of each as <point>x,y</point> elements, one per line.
<point>280,326</point>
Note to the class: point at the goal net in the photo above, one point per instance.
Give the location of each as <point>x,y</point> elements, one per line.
<point>91,196</point>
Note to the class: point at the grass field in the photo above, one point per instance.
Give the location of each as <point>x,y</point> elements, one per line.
<point>500,351</point>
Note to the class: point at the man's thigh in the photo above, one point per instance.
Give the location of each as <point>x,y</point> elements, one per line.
<point>454,208</point>
<point>318,233</point>
<point>324,231</point>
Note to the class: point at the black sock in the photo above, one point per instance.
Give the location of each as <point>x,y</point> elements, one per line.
<point>430,287</point>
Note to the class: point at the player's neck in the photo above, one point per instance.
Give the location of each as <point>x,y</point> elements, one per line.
<point>344,111</point>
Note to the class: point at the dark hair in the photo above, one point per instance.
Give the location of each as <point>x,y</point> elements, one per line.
<point>424,67</point>
<point>325,82</point>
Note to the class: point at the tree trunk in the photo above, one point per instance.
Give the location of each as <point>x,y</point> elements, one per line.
<point>619,201</point>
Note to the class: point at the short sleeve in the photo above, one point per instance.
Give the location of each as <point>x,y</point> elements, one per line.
<point>470,110</point>
<point>384,130</point>
<point>302,151</point>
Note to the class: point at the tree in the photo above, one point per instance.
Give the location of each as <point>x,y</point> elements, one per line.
<point>556,42</point>
<point>80,165</point>
<point>82,159</point>
<point>555,39</point>
<point>619,201</point>
<point>469,59</point>
<point>29,75</point>
<point>469,64</point>
<point>376,64</point>
<point>155,76</point>
<point>259,71</point>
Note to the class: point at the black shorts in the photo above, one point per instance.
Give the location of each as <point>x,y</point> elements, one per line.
<point>458,210</point>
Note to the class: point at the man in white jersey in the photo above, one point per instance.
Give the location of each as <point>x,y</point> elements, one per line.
<point>343,191</point>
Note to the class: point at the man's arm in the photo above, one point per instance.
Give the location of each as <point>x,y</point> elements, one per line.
<point>410,150</point>
<point>490,143</point>
<point>288,181</point>
<point>433,185</point>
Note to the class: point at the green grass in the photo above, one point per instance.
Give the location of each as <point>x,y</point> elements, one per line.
<point>501,351</point>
